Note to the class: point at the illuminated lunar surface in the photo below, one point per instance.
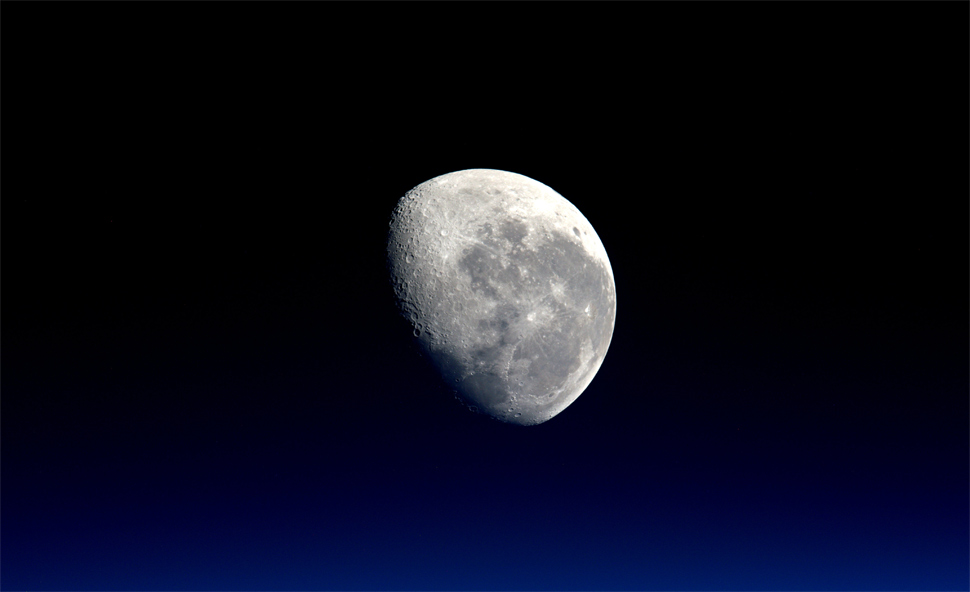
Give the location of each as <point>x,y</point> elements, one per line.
<point>508,290</point>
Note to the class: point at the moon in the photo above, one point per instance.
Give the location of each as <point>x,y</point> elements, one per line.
<point>508,290</point>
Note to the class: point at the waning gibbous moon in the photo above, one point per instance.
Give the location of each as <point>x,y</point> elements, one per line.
<point>508,290</point>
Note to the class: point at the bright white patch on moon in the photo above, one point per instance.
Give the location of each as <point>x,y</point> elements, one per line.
<point>507,287</point>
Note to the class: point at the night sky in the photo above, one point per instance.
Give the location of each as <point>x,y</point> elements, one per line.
<point>205,383</point>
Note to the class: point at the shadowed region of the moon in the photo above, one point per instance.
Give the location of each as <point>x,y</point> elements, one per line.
<point>508,288</point>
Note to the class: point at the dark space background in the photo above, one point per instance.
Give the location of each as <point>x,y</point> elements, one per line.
<point>205,384</point>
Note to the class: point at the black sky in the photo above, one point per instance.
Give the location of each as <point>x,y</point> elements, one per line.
<point>205,384</point>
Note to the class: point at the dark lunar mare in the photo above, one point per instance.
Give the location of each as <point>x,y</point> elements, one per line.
<point>559,276</point>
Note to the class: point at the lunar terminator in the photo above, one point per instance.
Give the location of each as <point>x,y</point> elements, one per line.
<point>508,290</point>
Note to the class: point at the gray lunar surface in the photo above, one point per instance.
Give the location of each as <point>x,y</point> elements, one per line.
<point>508,290</point>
